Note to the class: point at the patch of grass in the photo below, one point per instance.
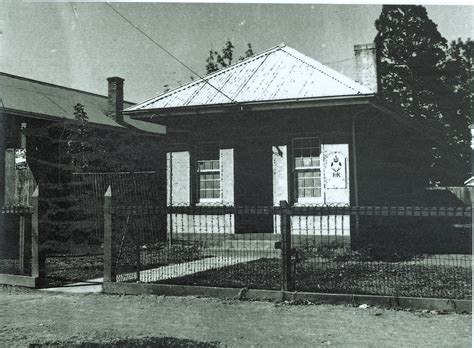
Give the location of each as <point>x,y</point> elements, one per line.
<point>65,268</point>
<point>71,268</point>
<point>260,274</point>
<point>320,275</point>
<point>9,266</point>
<point>383,278</point>
<point>153,256</point>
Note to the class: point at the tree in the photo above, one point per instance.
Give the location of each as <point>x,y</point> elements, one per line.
<point>216,61</point>
<point>88,148</point>
<point>455,102</point>
<point>416,74</point>
<point>248,53</point>
<point>78,140</point>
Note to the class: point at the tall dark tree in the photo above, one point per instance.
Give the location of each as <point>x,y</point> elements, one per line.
<point>216,61</point>
<point>87,148</point>
<point>78,140</point>
<point>455,103</point>
<point>416,74</point>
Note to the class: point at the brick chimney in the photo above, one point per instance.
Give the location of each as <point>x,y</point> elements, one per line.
<point>115,97</point>
<point>366,65</point>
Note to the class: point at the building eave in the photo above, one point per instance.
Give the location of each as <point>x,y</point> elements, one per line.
<point>283,104</point>
<point>125,127</point>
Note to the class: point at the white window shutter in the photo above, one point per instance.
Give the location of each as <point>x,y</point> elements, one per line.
<point>227,176</point>
<point>280,174</point>
<point>335,173</point>
<point>178,178</point>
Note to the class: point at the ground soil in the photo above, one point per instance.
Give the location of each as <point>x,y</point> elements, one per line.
<point>422,279</point>
<point>32,316</point>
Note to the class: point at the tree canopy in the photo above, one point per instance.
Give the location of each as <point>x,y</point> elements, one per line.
<point>216,61</point>
<point>429,80</point>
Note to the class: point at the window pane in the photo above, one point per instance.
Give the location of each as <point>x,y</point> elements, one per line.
<point>308,183</point>
<point>209,182</point>
<point>306,152</point>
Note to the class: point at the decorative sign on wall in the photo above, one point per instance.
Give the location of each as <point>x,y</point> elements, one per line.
<point>335,170</point>
<point>20,159</point>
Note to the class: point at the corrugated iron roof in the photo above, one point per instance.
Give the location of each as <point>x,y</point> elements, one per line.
<point>277,74</point>
<point>52,101</point>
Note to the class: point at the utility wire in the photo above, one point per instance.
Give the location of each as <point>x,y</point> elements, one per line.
<point>338,61</point>
<point>136,27</point>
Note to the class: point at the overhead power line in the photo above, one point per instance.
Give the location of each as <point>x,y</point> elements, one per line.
<point>339,61</point>
<point>136,27</point>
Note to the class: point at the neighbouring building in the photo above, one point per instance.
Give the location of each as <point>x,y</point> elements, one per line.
<point>35,120</point>
<point>282,126</point>
<point>36,116</point>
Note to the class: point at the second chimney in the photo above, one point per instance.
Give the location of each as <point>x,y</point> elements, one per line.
<point>366,66</point>
<point>115,98</point>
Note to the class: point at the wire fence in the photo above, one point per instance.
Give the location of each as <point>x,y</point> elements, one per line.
<point>15,240</point>
<point>72,220</point>
<point>399,251</point>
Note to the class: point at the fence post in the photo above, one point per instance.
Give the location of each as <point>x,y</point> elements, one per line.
<point>109,261</point>
<point>286,274</point>
<point>37,267</point>
<point>21,244</point>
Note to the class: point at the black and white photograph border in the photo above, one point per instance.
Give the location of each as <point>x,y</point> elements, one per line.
<point>223,174</point>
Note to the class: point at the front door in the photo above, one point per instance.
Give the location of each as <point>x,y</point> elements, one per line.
<point>253,185</point>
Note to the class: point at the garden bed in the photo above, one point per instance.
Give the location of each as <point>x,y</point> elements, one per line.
<point>62,269</point>
<point>67,268</point>
<point>375,278</point>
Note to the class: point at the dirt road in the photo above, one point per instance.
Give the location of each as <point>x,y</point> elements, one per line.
<point>28,316</point>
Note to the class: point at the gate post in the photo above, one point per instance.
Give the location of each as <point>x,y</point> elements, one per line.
<point>37,262</point>
<point>21,244</point>
<point>287,283</point>
<point>109,261</point>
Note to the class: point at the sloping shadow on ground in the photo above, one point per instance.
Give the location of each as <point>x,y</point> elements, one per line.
<point>151,342</point>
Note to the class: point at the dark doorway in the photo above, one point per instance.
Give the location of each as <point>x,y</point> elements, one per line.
<point>253,185</point>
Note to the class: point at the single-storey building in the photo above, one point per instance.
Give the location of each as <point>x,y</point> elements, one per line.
<point>282,126</point>
<point>37,115</point>
<point>34,124</point>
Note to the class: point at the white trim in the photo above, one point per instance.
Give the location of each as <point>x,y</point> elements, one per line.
<point>470,181</point>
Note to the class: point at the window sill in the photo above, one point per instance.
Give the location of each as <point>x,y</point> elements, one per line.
<point>309,202</point>
<point>210,203</point>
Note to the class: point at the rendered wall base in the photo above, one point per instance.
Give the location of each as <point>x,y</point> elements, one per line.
<point>460,306</point>
<point>185,223</point>
<point>323,225</point>
<point>327,225</point>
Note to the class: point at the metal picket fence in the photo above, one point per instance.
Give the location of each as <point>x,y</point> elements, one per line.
<point>397,251</point>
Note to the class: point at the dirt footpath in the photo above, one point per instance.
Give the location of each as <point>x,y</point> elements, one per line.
<point>35,317</point>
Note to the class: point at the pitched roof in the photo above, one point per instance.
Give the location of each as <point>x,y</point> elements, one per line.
<point>277,74</point>
<point>46,100</point>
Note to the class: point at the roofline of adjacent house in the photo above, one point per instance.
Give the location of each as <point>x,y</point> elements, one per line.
<point>58,86</point>
<point>282,104</point>
<point>117,127</point>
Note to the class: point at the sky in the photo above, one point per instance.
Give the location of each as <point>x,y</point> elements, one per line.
<point>79,45</point>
